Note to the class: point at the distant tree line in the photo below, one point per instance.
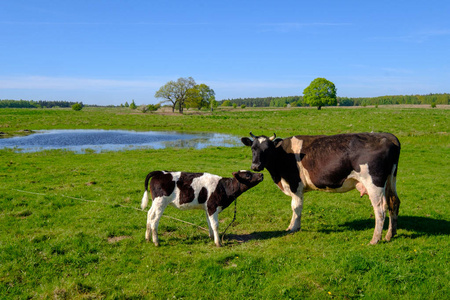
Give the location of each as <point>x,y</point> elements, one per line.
<point>342,101</point>
<point>406,99</point>
<point>291,101</point>
<point>264,102</point>
<point>35,104</point>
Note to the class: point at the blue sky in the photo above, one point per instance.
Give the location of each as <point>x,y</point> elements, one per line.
<point>109,52</point>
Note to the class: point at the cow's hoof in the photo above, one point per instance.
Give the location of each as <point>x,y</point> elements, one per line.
<point>290,230</point>
<point>388,237</point>
<point>373,242</point>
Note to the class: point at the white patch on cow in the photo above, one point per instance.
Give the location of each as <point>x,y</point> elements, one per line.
<point>175,175</point>
<point>144,201</point>
<point>286,188</point>
<point>207,181</point>
<point>296,146</point>
<point>364,181</point>
<point>306,183</point>
<point>261,140</point>
<point>306,179</point>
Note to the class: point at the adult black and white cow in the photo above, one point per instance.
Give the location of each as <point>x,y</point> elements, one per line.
<point>336,163</point>
<point>184,190</point>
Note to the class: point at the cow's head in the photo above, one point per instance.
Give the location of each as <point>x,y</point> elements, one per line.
<point>263,148</point>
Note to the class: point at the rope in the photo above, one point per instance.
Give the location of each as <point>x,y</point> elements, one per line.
<point>106,203</point>
<point>234,219</point>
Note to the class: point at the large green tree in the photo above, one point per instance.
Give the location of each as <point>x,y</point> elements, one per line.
<point>319,93</point>
<point>200,96</point>
<point>176,92</point>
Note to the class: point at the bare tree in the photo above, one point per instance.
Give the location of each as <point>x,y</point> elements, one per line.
<point>176,92</point>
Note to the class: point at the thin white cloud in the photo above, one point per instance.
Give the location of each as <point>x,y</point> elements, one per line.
<point>414,37</point>
<point>294,26</point>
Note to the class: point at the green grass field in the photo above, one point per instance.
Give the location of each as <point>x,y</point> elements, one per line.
<point>71,228</point>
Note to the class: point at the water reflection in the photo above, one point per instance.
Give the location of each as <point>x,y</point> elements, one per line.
<point>81,141</point>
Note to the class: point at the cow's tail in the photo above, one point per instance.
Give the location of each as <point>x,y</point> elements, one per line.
<point>144,201</point>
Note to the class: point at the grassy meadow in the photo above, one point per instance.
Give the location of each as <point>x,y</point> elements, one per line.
<point>71,228</point>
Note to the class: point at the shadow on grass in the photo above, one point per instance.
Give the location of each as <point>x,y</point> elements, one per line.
<point>420,225</point>
<point>261,235</point>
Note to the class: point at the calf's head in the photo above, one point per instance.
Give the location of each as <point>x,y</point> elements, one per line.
<point>247,179</point>
<point>263,148</point>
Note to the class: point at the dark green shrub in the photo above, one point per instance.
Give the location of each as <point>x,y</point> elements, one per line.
<point>77,107</point>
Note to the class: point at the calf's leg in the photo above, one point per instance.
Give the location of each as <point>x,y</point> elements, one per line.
<point>211,232</point>
<point>214,221</point>
<point>154,215</point>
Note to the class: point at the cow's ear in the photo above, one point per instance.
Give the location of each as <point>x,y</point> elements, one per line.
<point>277,142</point>
<point>246,141</point>
<point>236,175</point>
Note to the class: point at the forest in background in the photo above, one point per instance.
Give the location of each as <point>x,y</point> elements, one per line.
<point>35,104</point>
<point>342,101</point>
<point>292,101</point>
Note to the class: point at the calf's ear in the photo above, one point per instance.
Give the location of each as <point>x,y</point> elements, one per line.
<point>246,141</point>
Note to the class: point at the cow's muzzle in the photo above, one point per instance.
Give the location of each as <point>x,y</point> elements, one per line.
<point>257,167</point>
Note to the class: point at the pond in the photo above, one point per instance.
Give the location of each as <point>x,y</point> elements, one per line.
<point>81,141</point>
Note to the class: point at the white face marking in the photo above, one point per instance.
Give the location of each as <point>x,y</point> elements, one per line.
<point>261,140</point>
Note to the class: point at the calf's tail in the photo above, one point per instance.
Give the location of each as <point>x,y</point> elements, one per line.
<point>144,201</point>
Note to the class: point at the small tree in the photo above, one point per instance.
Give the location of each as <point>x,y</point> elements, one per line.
<point>153,107</point>
<point>77,106</point>
<point>319,93</point>
<point>133,105</point>
<point>226,103</point>
<point>213,103</point>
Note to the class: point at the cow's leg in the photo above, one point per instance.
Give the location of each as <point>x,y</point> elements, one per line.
<point>297,207</point>
<point>211,232</point>
<point>214,221</point>
<point>154,215</point>
<point>393,204</point>
<point>378,200</point>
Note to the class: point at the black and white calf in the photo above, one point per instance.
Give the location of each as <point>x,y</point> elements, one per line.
<point>183,190</point>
